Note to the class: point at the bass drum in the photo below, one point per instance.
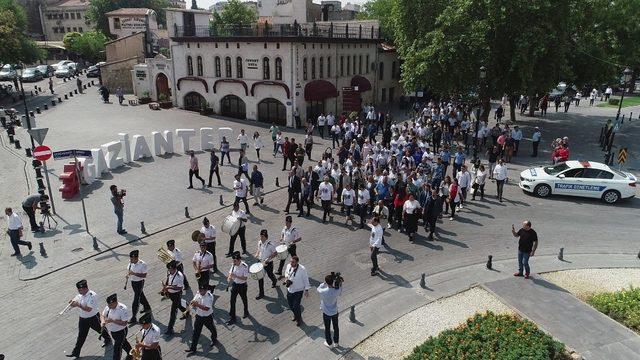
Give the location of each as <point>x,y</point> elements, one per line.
<point>231,225</point>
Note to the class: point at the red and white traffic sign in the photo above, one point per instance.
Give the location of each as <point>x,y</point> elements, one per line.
<point>42,153</point>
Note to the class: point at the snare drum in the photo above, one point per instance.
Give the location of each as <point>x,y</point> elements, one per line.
<point>231,225</point>
<point>283,252</point>
<point>256,271</point>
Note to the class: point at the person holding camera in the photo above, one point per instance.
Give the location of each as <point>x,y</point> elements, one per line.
<point>30,205</point>
<point>117,199</point>
<point>329,291</point>
<point>297,283</point>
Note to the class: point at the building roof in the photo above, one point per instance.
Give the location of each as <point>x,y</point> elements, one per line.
<point>386,47</point>
<point>70,3</point>
<point>50,45</point>
<point>129,11</point>
<point>195,11</point>
<point>124,37</point>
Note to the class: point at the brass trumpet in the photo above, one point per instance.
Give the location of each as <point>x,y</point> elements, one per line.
<point>187,310</point>
<point>165,255</point>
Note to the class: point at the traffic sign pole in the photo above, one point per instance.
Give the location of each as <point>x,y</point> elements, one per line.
<point>46,177</point>
<point>84,209</point>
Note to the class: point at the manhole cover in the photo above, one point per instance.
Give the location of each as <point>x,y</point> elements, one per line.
<point>77,249</point>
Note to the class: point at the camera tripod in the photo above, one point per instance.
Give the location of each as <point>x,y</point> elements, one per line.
<point>46,217</point>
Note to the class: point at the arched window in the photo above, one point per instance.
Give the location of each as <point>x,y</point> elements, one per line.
<point>189,66</point>
<point>266,70</point>
<point>381,73</point>
<point>304,69</point>
<point>227,67</point>
<point>329,66</point>
<point>359,64</point>
<point>393,70</point>
<point>217,67</point>
<point>239,67</point>
<point>199,65</point>
<point>278,69</point>
<point>321,67</point>
<point>313,68</point>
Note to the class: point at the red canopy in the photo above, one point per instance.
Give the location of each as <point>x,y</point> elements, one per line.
<point>361,82</point>
<point>319,90</point>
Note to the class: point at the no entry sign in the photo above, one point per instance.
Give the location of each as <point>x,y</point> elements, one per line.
<point>42,153</point>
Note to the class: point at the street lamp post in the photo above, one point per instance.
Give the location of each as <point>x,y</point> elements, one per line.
<point>627,74</point>
<point>483,74</point>
<point>26,110</point>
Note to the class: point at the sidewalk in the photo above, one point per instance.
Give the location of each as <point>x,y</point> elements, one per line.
<point>378,311</point>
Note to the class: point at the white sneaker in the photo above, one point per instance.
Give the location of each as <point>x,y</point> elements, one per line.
<point>327,344</point>
<point>336,345</point>
<point>460,207</point>
<point>450,219</point>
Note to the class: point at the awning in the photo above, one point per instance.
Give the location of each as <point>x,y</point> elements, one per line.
<point>361,82</point>
<point>319,90</point>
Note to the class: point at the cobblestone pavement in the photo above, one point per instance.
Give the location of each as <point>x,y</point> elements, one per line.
<point>158,194</point>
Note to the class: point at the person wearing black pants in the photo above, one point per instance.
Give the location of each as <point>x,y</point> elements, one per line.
<point>215,168</point>
<point>297,281</point>
<point>266,253</point>
<point>293,191</point>
<point>137,273</point>
<point>325,194</point>
<point>115,316</point>
<point>14,229</point>
<point>241,187</point>
<point>194,170</point>
<point>375,241</point>
<point>203,262</point>
<point>30,205</point>
<point>202,303</point>
<point>237,279</point>
<point>173,289</point>
<point>243,240</point>
<point>86,302</point>
<point>306,197</point>
<point>120,343</point>
<point>329,306</point>
<point>432,211</point>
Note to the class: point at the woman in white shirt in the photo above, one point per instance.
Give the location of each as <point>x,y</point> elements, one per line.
<point>444,192</point>
<point>478,183</point>
<point>500,174</point>
<point>257,143</point>
<point>411,214</point>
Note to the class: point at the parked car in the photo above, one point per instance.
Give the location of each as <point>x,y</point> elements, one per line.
<point>46,70</point>
<point>8,72</point>
<point>61,63</point>
<point>93,71</point>
<point>32,75</point>
<point>65,71</point>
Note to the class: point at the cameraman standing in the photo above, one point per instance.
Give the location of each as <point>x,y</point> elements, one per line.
<point>117,199</point>
<point>329,291</point>
<point>30,205</point>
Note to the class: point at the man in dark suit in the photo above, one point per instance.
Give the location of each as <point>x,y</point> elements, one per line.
<point>432,210</point>
<point>294,190</point>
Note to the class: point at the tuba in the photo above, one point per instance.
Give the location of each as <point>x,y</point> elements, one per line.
<point>197,236</point>
<point>164,255</point>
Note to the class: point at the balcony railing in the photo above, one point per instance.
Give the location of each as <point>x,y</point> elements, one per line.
<point>343,31</point>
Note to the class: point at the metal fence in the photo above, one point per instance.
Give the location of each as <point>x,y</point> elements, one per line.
<point>343,31</point>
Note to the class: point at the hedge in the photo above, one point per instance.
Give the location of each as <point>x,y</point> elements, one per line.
<point>622,306</point>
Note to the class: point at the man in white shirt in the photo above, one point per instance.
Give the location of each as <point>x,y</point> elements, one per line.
<point>237,279</point>
<point>239,214</point>
<point>179,258</point>
<point>150,340</point>
<point>516,134</point>
<point>114,318</point>
<point>137,273</point>
<point>202,263</point>
<point>243,140</point>
<point>265,254</point>
<point>14,227</point>
<point>500,175</point>
<point>289,236</point>
<point>173,286</point>
<point>209,232</point>
<point>375,241</point>
<point>240,187</point>
<point>203,304</point>
<point>321,122</point>
<point>347,196</point>
<point>363,203</point>
<point>87,302</point>
<point>535,139</point>
<point>325,193</point>
<point>297,282</point>
<point>464,182</point>
<point>335,135</point>
<point>607,93</point>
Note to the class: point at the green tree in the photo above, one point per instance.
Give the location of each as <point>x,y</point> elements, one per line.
<point>15,46</point>
<point>90,45</point>
<point>70,40</point>
<point>380,10</point>
<point>98,9</point>
<point>236,13</point>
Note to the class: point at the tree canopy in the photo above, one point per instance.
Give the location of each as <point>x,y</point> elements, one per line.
<point>15,46</point>
<point>380,10</point>
<point>235,12</point>
<point>89,45</point>
<point>98,9</point>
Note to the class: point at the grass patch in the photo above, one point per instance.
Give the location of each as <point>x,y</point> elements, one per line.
<point>491,336</point>
<point>628,101</point>
<point>623,306</point>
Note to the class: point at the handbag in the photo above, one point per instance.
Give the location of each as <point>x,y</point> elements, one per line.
<point>475,186</point>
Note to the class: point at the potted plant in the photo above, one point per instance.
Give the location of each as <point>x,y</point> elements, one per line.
<point>145,98</point>
<point>205,109</point>
<point>164,101</point>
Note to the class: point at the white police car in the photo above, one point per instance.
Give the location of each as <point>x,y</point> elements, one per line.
<point>579,178</point>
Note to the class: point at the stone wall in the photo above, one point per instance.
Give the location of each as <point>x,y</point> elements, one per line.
<point>118,74</point>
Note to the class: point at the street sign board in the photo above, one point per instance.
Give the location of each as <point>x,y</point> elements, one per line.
<point>83,153</point>
<point>622,156</point>
<point>42,153</point>
<point>67,154</point>
<point>38,135</point>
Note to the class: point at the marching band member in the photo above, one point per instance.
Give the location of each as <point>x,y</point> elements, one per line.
<point>203,304</point>
<point>289,236</point>
<point>238,276</point>
<point>177,256</point>
<point>150,341</point>
<point>115,317</point>
<point>239,214</point>
<point>266,252</point>
<point>202,263</point>
<point>209,232</point>
<point>297,282</point>
<point>137,272</point>
<point>87,302</point>
<point>173,289</point>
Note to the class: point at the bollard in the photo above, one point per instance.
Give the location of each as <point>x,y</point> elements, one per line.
<point>638,254</point>
<point>65,97</point>
<point>53,103</point>
<point>186,212</point>
<point>46,107</point>
<point>28,154</point>
<point>352,314</point>
<point>75,91</point>
<point>59,100</point>
<point>38,170</point>
<point>221,202</point>
<point>64,79</point>
<point>36,92</point>
<point>423,281</point>
<point>17,144</point>
<point>38,110</point>
<point>40,183</point>
<point>142,228</point>
<point>31,114</point>
<point>490,263</point>
<point>561,254</point>
<point>70,93</point>
<point>277,182</point>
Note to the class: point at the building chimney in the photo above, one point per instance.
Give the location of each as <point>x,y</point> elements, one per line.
<point>194,5</point>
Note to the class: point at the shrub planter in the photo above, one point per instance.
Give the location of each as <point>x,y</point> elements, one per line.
<point>165,104</point>
<point>206,111</point>
<point>144,100</point>
<point>614,101</point>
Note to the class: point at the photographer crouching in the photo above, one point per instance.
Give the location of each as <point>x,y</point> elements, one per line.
<point>117,199</point>
<point>329,291</point>
<point>32,203</point>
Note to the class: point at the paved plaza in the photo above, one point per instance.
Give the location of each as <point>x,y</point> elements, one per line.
<point>36,287</point>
